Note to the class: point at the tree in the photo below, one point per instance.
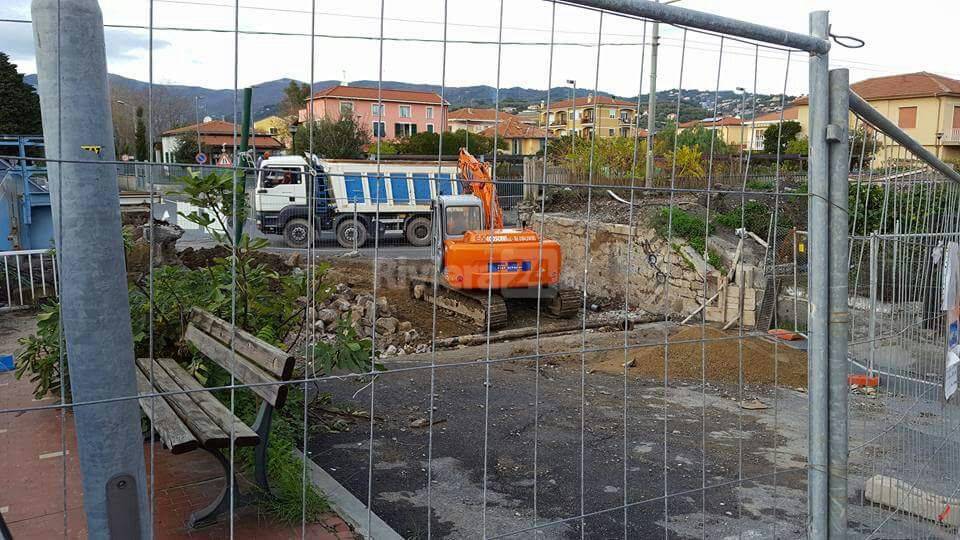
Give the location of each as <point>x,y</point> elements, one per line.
<point>778,136</point>
<point>141,137</point>
<point>186,151</point>
<point>293,97</point>
<point>20,109</point>
<point>344,138</point>
<point>428,143</point>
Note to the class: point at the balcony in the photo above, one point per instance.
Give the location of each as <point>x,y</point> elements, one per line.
<point>951,136</point>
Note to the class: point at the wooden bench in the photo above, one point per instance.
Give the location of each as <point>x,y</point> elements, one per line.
<point>188,421</point>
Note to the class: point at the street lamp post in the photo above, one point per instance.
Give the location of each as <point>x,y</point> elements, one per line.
<point>573,109</point>
<point>196,106</point>
<point>134,116</point>
<point>293,136</point>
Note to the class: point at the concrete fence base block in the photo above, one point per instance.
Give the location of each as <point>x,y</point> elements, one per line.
<point>900,495</point>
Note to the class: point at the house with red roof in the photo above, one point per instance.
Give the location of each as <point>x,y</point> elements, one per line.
<point>216,136</point>
<point>522,139</point>
<point>390,114</point>
<point>476,120</point>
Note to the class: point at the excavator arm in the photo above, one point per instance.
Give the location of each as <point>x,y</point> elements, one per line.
<point>477,177</point>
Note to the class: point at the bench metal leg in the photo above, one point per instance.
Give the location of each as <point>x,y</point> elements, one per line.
<point>208,516</point>
<point>262,427</point>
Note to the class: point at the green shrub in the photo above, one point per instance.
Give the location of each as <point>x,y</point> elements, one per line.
<point>683,224</point>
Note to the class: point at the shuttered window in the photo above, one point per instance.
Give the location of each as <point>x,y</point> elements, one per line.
<point>908,117</point>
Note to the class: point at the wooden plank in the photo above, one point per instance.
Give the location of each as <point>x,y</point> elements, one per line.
<point>242,368</point>
<point>203,428</point>
<point>174,434</point>
<point>272,359</point>
<point>217,411</point>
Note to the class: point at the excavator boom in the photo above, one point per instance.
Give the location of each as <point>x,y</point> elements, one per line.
<point>476,175</point>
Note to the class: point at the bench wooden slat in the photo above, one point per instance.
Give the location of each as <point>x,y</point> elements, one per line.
<point>243,369</point>
<point>173,432</point>
<point>206,430</point>
<point>272,359</point>
<point>217,411</point>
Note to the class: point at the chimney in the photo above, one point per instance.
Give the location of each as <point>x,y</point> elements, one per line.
<point>590,97</point>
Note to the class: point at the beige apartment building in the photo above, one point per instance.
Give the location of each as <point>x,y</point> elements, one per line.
<point>607,116</point>
<point>925,105</point>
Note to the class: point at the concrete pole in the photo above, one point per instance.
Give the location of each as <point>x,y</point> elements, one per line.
<point>652,102</point>
<point>95,311</point>
<point>817,287</point>
<point>838,133</point>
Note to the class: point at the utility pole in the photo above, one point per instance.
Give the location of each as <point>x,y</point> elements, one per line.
<point>94,305</point>
<point>743,99</point>
<point>652,101</point>
<point>573,100</point>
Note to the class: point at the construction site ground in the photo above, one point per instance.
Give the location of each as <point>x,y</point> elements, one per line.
<point>517,407</point>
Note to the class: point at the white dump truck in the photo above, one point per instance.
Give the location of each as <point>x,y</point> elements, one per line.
<point>397,198</point>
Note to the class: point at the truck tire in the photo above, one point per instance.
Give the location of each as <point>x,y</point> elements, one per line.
<point>419,230</point>
<point>346,231</point>
<point>296,233</point>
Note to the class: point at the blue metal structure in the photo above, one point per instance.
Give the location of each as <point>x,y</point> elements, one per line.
<point>26,221</point>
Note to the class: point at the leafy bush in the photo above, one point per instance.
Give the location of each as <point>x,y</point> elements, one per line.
<point>39,355</point>
<point>683,224</point>
<point>755,218</point>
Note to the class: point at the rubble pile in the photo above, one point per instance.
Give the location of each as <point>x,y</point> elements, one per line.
<point>394,337</point>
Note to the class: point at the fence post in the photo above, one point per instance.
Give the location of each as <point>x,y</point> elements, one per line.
<point>817,287</point>
<point>838,137</point>
<point>95,310</point>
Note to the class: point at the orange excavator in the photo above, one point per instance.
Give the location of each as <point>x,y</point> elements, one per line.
<point>481,263</point>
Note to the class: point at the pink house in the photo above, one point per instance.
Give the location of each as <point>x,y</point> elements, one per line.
<point>404,112</point>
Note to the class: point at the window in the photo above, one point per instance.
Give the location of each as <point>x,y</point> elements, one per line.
<point>274,131</point>
<point>908,117</point>
<point>404,129</point>
<point>612,113</point>
<point>610,132</point>
<point>552,116</point>
<point>379,129</point>
<point>376,109</point>
<point>429,128</point>
<point>405,111</point>
<point>461,219</point>
<point>625,117</point>
<point>282,176</point>
<point>346,108</point>
<point>430,114</point>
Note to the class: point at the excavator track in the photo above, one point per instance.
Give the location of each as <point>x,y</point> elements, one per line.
<point>565,304</point>
<point>474,305</point>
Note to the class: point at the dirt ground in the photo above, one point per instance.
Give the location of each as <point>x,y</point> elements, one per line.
<point>688,355</point>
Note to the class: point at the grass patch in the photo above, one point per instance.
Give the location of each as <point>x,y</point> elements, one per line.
<point>683,224</point>
<point>284,470</point>
<point>756,218</point>
<point>760,185</point>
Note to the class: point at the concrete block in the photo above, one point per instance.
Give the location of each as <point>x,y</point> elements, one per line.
<point>903,496</point>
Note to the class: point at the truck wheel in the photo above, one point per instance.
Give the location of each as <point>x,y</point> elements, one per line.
<point>418,231</point>
<point>296,233</point>
<point>348,229</point>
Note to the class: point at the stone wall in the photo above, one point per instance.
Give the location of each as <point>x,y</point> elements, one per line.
<point>609,276</point>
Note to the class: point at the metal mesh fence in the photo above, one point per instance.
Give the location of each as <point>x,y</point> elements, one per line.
<point>623,357</point>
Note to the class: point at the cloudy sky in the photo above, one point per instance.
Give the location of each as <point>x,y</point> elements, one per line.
<point>274,42</point>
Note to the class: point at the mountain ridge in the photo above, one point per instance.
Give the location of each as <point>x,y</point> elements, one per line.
<point>221,103</point>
